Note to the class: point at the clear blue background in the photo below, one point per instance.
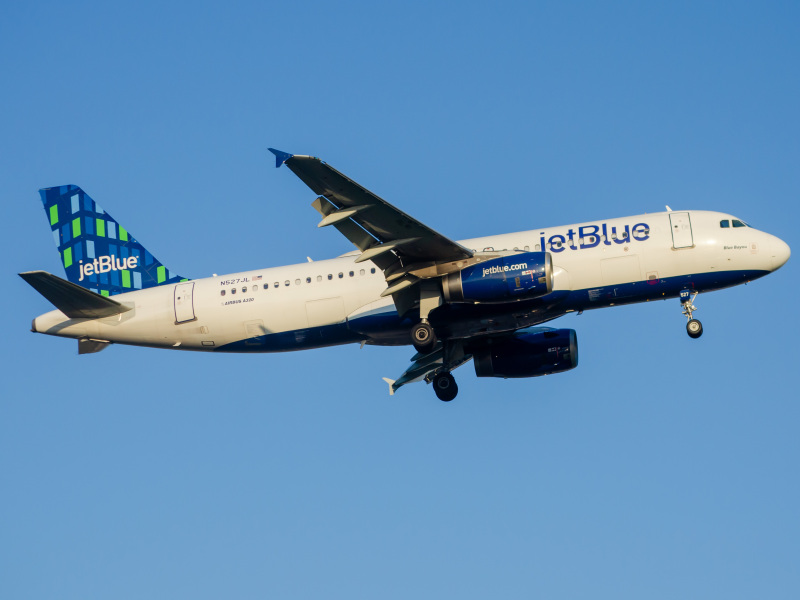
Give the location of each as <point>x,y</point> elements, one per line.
<point>662,467</point>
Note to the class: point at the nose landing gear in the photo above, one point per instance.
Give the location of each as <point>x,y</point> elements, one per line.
<point>693,327</point>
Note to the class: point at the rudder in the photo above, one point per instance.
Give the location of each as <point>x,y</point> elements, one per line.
<point>98,253</point>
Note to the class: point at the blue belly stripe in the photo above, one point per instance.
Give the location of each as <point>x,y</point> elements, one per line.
<point>385,327</point>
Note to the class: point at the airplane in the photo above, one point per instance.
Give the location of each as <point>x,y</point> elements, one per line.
<point>482,299</point>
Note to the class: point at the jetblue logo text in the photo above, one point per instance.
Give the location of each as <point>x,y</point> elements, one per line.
<point>104,264</point>
<point>492,270</point>
<point>591,236</point>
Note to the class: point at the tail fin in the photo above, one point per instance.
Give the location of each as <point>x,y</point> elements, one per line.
<point>97,252</point>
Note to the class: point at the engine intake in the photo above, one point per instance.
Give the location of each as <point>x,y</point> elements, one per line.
<point>523,275</point>
<point>528,353</point>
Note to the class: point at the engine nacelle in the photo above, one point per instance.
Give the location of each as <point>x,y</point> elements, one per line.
<point>528,353</point>
<point>523,275</point>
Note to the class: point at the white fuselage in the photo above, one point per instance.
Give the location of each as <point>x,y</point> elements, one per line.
<point>338,301</point>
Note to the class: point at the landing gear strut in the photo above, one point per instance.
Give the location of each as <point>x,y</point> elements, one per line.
<point>444,384</point>
<point>422,334</point>
<point>693,327</point>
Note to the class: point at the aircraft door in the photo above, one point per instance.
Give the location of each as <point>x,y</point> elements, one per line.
<point>184,303</point>
<point>681,230</point>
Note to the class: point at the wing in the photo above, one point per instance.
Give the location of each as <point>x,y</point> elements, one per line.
<point>383,233</point>
<point>425,366</point>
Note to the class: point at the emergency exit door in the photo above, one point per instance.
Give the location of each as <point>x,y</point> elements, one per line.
<point>184,302</point>
<point>681,230</point>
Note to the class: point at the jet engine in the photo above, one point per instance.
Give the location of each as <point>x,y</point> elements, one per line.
<point>528,353</point>
<point>518,276</point>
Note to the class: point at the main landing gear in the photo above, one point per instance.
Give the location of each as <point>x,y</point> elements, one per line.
<point>422,337</point>
<point>444,384</point>
<point>694,327</point>
<point>430,298</point>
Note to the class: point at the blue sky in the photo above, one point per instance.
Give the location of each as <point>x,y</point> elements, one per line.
<point>661,467</point>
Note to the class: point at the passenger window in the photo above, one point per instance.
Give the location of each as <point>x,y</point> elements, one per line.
<point>222,293</point>
<point>538,247</point>
<point>724,223</point>
<point>286,283</point>
<point>528,247</point>
<point>341,275</point>
<point>266,286</point>
<point>297,282</point>
<point>233,290</point>
<point>361,272</point>
<point>244,289</point>
<point>277,284</point>
<point>351,273</point>
<point>319,277</point>
<point>255,288</point>
<point>372,270</point>
<point>738,223</point>
<point>330,276</point>
<point>308,279</point>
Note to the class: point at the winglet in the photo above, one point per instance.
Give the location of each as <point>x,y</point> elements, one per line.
<point>391,385</point>
<point>280,157</point>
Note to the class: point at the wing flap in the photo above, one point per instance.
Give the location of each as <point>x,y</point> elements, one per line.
<point>357,235</point>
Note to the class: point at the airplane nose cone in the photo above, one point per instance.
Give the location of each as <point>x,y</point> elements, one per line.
<point>780,253</point>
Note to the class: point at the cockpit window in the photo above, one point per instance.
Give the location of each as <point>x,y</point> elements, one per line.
<point>737,223</point>
<point>724,223</point>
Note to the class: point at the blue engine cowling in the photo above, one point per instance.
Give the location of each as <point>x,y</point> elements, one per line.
<point>523,275</point>
<point>528,353</point>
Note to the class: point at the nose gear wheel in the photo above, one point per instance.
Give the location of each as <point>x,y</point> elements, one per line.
<point>693,327</point>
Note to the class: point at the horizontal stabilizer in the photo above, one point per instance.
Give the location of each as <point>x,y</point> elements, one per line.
<point>74,301</point>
